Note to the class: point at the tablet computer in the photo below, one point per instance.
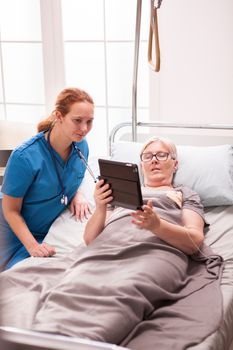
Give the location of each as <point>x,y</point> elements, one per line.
<point>123,177</point>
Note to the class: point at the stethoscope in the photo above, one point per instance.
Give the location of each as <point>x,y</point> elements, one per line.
<point>64,198</point>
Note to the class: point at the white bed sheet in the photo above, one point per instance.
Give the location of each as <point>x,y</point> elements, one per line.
<point>220,238</point>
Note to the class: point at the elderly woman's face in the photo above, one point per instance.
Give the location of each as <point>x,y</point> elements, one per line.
<point>158,172</point>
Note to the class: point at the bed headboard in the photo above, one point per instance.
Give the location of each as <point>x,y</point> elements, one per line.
<point>179,133</point>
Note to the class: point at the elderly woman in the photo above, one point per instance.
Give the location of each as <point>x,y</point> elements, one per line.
<point>135,283</point>
<point>174,214</point>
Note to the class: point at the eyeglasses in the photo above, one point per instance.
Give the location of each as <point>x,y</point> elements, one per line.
<point>160,156</point>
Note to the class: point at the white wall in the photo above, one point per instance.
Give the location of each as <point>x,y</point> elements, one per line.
<point>13,134</point>
<point>195,83</point>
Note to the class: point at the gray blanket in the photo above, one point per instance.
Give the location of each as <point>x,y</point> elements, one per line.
<point>127,287</point>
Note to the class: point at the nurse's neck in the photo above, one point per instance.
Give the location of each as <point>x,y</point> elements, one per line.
<point>59,143</point>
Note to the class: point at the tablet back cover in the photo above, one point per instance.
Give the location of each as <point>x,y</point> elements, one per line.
<point>124,181</point>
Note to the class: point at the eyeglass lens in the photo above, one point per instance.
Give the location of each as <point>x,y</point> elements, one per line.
<point>160,156</point>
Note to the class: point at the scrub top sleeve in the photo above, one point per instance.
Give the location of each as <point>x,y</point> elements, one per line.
<point>18,176</point>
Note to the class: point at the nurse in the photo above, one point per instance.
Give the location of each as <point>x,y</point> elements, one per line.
<point>42,178</point>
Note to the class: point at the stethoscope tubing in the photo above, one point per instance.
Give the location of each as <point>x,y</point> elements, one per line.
<point>64,198</point>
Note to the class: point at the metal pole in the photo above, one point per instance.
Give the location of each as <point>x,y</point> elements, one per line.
<point>135,70</point>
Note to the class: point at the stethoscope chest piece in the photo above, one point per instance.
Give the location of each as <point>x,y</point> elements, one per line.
<point>64,200</point>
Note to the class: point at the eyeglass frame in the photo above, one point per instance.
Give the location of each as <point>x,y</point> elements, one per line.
<point>155,155</point>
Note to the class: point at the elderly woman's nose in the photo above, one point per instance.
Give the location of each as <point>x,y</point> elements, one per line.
<point>154,159</point>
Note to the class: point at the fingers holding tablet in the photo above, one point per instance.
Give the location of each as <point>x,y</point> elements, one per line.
<point>123,179</point>
<point>103,193</point>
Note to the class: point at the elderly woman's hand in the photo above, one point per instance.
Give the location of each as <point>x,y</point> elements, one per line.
<point>146,218</point>
<point>102,194</point>
<point>80,207</point>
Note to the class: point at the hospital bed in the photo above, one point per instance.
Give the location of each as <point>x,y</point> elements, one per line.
<point>203,167</point>
<point>208,169</point>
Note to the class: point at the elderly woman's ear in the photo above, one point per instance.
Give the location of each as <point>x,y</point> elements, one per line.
<point>175,167</point>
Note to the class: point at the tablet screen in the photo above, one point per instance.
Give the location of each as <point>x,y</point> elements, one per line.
<point>123,177</point>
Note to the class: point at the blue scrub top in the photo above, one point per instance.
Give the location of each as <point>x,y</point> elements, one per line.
<point>31,174</point>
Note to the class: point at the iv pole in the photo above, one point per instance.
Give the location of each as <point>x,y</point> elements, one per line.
<point>135,70</point>
<point>153,34</point>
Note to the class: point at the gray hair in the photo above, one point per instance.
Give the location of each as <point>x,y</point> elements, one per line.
<point>168,143</point>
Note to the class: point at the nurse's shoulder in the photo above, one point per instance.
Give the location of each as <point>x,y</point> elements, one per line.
<point>32,142</point>
<point>24,163</point>
<point>31,150</point>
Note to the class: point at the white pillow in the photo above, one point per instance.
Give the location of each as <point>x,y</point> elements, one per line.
<point>207,170</point>
<point>65,233</point>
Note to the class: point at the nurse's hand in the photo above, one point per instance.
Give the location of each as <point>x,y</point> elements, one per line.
<point>80,207</point>
<point>42,250</point>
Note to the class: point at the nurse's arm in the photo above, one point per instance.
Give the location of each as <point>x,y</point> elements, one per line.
<point>11,209</point>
